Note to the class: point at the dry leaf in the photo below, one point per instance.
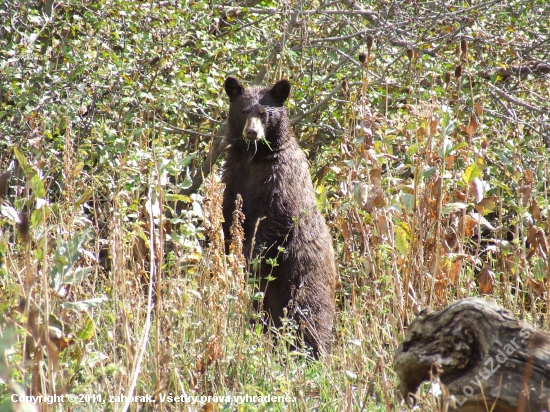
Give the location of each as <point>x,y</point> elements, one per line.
<point>449,161</point>
<point>433,125</point>
<point>381,225</point>
<point>479,109</point>
<point>536,285</point>
<point>213,350</point>
<point>486,205</point>
<point>486,280</point>
<point>376,176</point>
<point>543,245</point>
<point>532,239</point>
<point>454,270</point>
<point>420,132</point>
<point>200,367</point>
<point>473,125</point>
<point>535,211</point>
<point>378,199</point>
<point>468,226</point>
<point>210,407</point>
<point>460,196</point>
<point>450,241</point>
<point>532,236</point>
<point>347,234</point>
<point>436,189</point>
<point>525,195</point>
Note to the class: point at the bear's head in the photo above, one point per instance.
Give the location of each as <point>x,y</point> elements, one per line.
<point>256,114</point>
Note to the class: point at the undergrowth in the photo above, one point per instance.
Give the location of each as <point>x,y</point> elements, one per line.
<point>114,279</point>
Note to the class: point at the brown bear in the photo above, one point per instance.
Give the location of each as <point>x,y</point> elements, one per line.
<point>283,228</point>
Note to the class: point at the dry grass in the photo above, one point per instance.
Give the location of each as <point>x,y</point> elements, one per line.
<point>104,291</point>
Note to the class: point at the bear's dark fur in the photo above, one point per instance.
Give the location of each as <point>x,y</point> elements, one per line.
<point>265,165</point>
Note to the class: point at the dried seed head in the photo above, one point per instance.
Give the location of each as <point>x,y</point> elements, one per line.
<point>345,87</point>
<point>464,47</point>
<point>362,57</point>
<point>448,77</point>
<point>457,51</point>
<point>23,226</point>
<point>370,41</point>
<point>410,54</point>
<point>458,71</point>
<point>4,180</point>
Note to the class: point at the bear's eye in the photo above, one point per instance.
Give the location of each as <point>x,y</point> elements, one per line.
<point>261,110</point>
<point>246,111</point>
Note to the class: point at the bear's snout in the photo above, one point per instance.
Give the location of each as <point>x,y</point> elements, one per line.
<point>253,129</point>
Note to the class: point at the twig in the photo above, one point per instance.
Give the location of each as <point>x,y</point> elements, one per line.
<point>145,336</point>
<point>176,130</point>
<point>271,59</point>
<point>361,12</point>
<point>349,36</point>
<point>323,102</point>
<point>372,17</point>
<point>515,100</point>
<point>529,68</point>
<point>218,146</point>
<point>504,107</point>
<point>382,367</point>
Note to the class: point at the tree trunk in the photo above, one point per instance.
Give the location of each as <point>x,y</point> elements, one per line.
<point>483,356</point>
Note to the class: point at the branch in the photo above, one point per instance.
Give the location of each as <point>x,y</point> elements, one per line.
<point>216,149</point>
<point>323,102</point>
<point>372,17</point>
<point>360,12</point>
<point>515,100</point>
<point>271,59</point>
<point>350,36</point>
<point>529,68</point>
<point>176,130</point>
<point>504,107</point>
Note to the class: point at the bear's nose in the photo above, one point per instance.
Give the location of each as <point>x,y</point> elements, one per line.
<point>251,134</point>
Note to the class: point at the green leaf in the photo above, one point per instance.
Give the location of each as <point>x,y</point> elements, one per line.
<point>23,162</point>
<point>87,332</point>
<point>74,277</point>
<point>187,182</point>
<point>453,207</point>
<point>447,124</point>
<point>37,186</point>
<point>473,171</point>
<point>66,255</point>
<point>84,305</point>
<point>402,237</point>
<point>429,172</point>
<point>36,218</point>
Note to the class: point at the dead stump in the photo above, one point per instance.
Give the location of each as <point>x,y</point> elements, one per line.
<point>486,358</point>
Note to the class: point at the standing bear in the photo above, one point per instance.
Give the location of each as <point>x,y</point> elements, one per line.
<point>283,229</point>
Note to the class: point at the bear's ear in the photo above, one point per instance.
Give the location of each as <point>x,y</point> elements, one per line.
<point>233,88</point>
<point>280,91</point>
